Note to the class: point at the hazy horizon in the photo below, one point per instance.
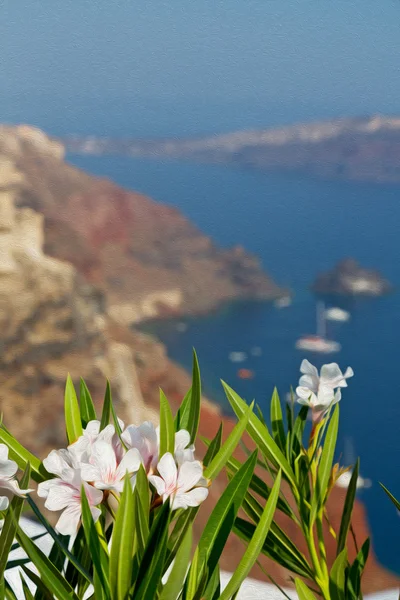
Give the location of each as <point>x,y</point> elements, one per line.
<point>188,67</point>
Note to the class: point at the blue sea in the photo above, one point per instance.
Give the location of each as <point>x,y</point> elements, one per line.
<point>298,226</point>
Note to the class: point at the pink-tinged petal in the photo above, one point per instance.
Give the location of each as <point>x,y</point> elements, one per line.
<point>61,495</point>
<point>94,496</point>
<point>103,456</point>
<point>69,519</point>
<point>4,502</point>
<point>168,470</point>
<point>189,475</point>
<point>158,483</point>
<point>55,462</point>
<point>182,439</point>
<point>130,463</point>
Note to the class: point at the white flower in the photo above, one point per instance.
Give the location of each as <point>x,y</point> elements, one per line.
<point>105,470</point>
<point>8,469</point>
<point>145,439</point>
<point>82,448</point>
<point>179,483</point>
<point>319,392</point>
<point>183,452</point>
<point>64,492</point>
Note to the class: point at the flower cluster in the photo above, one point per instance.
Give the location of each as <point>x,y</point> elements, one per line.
<point>8,469</point>
<point>100,460</point>
<point>321,391</point>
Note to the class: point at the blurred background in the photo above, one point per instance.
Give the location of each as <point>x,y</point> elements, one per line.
<point>239,178</point>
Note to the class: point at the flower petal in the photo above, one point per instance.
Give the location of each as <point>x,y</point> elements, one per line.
<point>130,463</point>
<point>189,475</point>
<point>193,498</point>
<point>158,483</point>
<point>4,502</point>
<point>168,470</point>
<point>182,439</point>
<point>69,519</point>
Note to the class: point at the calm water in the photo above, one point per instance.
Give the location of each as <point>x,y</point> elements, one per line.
<point>297,226</point>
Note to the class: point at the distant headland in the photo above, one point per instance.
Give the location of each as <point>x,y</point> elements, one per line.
<point>360,149</point>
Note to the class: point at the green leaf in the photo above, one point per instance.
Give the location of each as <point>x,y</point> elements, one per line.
<point>97,548</point>
<point>152,565</point>
<point>40,586</point>
<point>72,413</point>
<point>167,429</point>
<point>50,576</point>
<point>261,435</point>
<point>296,440</point>
<point>58,539</point>
<point>27,592</point>
<point>278,431</point>
<point>347,510</point>
<point>88,411</point>
<point>256,543</point>
<point>121,554</point>
<point>188,415</point>
<point>174,585</point>
<point>183,522</point>
<point>303,591</point>
<point>23,457</point>
<point>11,520</point>
<point>277,547</point>
<point>325,464</point>
<point>357,568</point>
<point>393,499</point>
<point>220,522</point>
<point>337,577</point>
<point>213,446</point>
<point>106,413</point>
<point>226,450</point>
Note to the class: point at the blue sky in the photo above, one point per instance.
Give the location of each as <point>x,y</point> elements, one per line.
<point>294,58</point>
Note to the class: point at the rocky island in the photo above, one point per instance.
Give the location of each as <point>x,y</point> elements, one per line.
<point>360,149</point>
<point>348,278</point>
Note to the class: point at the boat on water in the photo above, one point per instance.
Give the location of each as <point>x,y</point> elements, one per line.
<point>283,302</point>
<point>337,314</point>
<point>245,374</point>
<point>318,342</point>
<point>237,357</point>
<point>349,458</point>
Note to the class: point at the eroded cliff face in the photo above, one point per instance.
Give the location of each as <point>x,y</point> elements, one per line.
<point>147,257</point>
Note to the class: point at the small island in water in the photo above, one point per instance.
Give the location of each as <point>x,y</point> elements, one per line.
<point>348,278</point>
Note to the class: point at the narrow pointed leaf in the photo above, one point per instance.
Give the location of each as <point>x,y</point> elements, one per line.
<point>260,435</point>
<point>72,413</point>
<point>50,576</point>
<point>188,415</point>
<point>121,554</point>
<point>303,591</point>
<point>393,499</point>
<point>278,431</point>
<point>88,411</point>
<point>347,510</point>
<point>213,446</point>
<point>174,585</point>
<point>357,568</point>
<point>325,464</point>
<point>96,547</point>
<point>337,577</point>
<point>167,429</point>
<point>106,413</point>
<point>219,461</point>
<point>255,545</point>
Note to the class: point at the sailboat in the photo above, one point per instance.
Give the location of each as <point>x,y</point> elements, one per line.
<point>318,342</point>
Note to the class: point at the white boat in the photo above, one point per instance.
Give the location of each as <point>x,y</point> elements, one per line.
<point>318,342</point>
<point>349,458</point>
<point>283,302</point>
<point>337,314</point>
<point>237,356</point>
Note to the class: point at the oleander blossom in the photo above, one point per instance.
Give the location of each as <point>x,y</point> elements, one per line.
<point>182,485</point>
<point>106,470</point>
<point>8,469</point>
<point>321,391</point>
<point>63,493</point>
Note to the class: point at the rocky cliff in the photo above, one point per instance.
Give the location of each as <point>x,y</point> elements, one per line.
<point>348,278</point>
